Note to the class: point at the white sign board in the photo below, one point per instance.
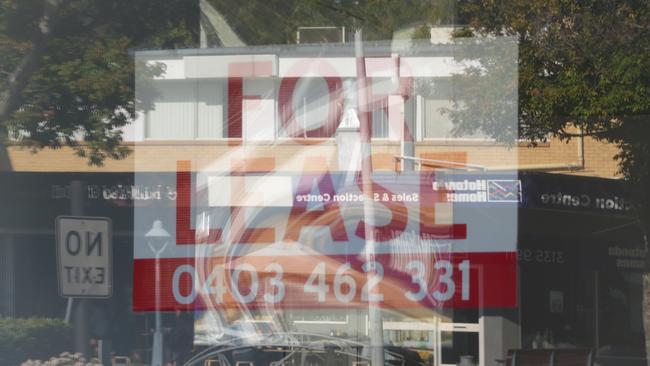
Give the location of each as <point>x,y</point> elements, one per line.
<point>84,252</point>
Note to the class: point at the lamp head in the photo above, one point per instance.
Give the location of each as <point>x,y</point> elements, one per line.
<point>157,231</point>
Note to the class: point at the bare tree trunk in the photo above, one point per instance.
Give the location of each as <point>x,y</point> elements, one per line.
<point>17,80</point>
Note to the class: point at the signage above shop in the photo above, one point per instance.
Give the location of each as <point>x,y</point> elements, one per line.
<point>584,194</point>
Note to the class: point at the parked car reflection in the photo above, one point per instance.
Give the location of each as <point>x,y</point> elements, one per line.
<point>299,349</point>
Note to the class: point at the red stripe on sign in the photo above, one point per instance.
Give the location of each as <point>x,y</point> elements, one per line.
<point>395,281</point>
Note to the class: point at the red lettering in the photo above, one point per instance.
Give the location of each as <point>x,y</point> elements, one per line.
<point>235,105</point>
<point>238,231</point>
<point>184,232</point>
<point>236,74</point>
<point>287,116</point>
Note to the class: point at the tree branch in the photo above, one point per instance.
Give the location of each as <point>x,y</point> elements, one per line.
<point>565,133</point>
<point>18,78</point>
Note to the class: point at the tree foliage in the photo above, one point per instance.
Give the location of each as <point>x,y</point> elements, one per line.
<point>23,338</point>
<point>67,71</point>
<point>583,64</point>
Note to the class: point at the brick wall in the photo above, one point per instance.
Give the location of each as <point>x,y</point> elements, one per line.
<point>554,156</point>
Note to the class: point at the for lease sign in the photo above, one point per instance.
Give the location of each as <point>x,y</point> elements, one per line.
<point>271,209</point>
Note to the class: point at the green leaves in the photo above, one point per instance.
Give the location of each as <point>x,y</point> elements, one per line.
<point>582,63</point>
<point>579,63</point>
<point>23,338</point>
<point>82,88</point>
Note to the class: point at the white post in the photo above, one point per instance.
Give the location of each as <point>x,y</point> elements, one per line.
<point>157,351</point>
<point>153,238</point>
<point>375,326</point>
<point>68,311</point>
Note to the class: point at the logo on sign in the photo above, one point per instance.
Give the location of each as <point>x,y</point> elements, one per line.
<point>480,190</point>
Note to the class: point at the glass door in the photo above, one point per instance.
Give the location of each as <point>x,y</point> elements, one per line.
<point>458,341</point>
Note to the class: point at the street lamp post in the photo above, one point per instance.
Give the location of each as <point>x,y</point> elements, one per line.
<point>157,238</point>
<point>375,322</point>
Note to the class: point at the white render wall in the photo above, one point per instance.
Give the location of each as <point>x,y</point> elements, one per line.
<point>192,102</point>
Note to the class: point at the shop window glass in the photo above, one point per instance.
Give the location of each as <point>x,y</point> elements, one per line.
<point>186,110</point>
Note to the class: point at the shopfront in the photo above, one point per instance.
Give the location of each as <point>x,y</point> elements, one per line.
<point>577,262</point>
<point>581,255</point>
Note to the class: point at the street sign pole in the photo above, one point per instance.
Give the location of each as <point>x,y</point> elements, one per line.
<point>157,238</point>
<point>81,344</point>
<point>84,256</point>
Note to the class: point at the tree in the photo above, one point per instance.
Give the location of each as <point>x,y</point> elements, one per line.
<point>67,71</point>
<point>584,70</point>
